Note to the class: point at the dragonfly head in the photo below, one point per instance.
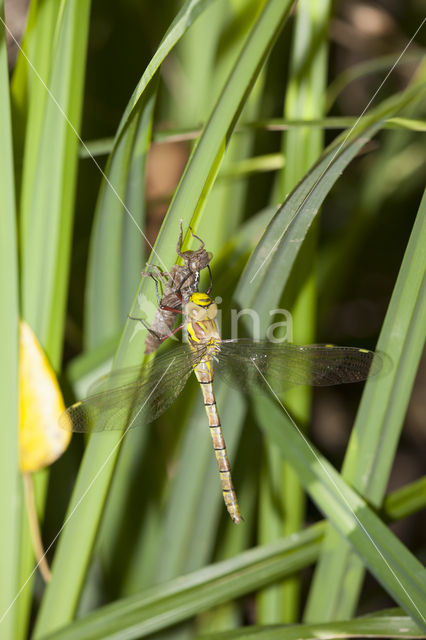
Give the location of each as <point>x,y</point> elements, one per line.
<point>201,307</point>
<point>197,260</point>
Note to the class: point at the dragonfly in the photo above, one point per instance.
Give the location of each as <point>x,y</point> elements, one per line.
<point>135,396</point>
<point>178,284</point>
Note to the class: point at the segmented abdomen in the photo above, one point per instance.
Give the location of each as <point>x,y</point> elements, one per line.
<point>204,373</point>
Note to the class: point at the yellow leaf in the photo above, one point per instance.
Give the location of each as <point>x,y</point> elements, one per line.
<point>41,440</point>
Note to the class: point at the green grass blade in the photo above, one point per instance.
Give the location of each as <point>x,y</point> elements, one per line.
<point>187,542</point>
<point>167,604</point>
<point>162,606</point>
<point>116,255</point>
<point>392,564</point>
<point>104,146</point>
<point>120,207</point>
<point>61,599</point>
<point>189,12</point>
<point>355,71</point>
<point>11,497</point>
<point>192,97</point>
<point>301,147</point>
<point>47,193</point>
<point>377,429</point>
<point>31,74</point>
<point>268,270</point>
<point>107,308</point>
<point>407,500</point>
<point>193,506</point>
<point>48,196</point>
<point>227,202</point>
<point>206,158</point>
<point>390,624</point>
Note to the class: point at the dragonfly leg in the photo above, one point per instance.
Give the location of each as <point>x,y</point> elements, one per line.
<point>151,331</point>
<point>171,333</point>
<point>211,281</point>
<point>179,242</point>
<point>178,293</point>
<point>158,276</point>
<point>154,333</point>
<point>198,238</point>
<point>164,307</point>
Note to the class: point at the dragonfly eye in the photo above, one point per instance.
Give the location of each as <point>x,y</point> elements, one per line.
<point>189,308</point>
<point>195,312</point>
<point>199,314</point>
<point>212,311</point>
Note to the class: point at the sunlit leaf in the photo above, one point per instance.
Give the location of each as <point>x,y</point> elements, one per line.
<point>41,440</point>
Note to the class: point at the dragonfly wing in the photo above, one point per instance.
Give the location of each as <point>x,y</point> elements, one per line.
<point>257,365</point>
<point>115,379</point>
<point>138,401</point>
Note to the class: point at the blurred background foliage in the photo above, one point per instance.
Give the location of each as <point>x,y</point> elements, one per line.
<point>158,512</point>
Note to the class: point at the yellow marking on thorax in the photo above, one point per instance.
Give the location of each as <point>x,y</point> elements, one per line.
<point>191,332</point>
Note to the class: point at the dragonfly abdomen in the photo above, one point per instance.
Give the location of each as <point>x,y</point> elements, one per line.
<point>203,371</point>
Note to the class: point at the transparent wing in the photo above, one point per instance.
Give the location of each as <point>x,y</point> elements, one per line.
<point>118,378</point>
<point>133,396</point>
<point>255,365</point>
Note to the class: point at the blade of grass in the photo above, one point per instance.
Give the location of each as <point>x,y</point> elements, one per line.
<point>409,499</point>
<point>398,162</point>
<point>390,624</point>
<point>206,158</point>
<point>392,564</point>
<point>107,309</point>
<point>207,30</point>
<point>355,71</point>
<point>104,146</point>
<point>268,270</point>
<point>227,201</point>
<point>169,603</point>
<point>116,254</point>
<point>194,505</point>
<point>193,546</point>
<point>47,191</point>
<point>191,90</point>
<point>108,269</point>
<point>301,147</point>
<point>49,159</point>
<point>60,599</point>
<point>48,196</point>
<point>11,496</point>
<point>29,94</point>
<point>377,429</point>
<point>164,605</point>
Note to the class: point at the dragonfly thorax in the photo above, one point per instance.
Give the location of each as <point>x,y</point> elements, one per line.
<point>201,312</point>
